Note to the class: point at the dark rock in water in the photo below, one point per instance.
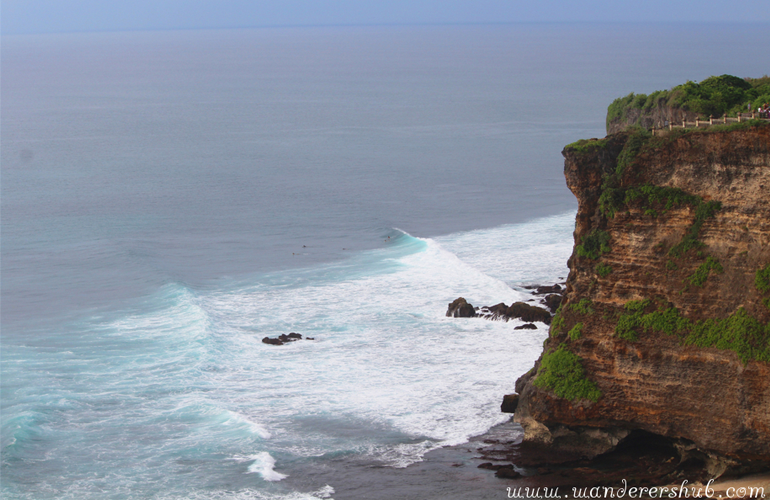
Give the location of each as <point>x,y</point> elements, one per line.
<point>507,472</point>
<point>309,338</point>
<point>283,338</point>
<point>460,308</point>
<point>553,301</point>
<point>510,402</point>
<point>528,313</point>
<point>526,326</point>
<point>541,290</point>
<point>494,312</point>
<point>290,337</point>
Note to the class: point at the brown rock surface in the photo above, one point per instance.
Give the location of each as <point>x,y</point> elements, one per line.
<point>705,398</point>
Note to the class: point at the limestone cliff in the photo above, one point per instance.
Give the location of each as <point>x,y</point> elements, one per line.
<point>665,323</point>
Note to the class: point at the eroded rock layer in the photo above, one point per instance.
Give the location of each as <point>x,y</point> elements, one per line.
<point>663,326</point>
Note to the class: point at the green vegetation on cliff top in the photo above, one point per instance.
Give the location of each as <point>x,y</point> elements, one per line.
<point>714,96</point>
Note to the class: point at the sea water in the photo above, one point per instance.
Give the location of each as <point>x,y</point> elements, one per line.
<point>171,198</point>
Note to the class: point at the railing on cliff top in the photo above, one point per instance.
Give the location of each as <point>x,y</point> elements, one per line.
<point>711,121</point>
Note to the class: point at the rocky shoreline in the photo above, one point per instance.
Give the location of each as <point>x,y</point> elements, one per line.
<point>549,296</point>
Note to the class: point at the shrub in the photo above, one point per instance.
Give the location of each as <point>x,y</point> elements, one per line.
<point>561,372</point>
<point>762,279</point>
<point>631,148</point>
<point>583,307</point>
<point>701,274</point>
<point>584,146</point>
<point>557,323</point>
<point>594,245</point>
<point>576,331</point>
<point>739,332</point>
<point>603,269</point>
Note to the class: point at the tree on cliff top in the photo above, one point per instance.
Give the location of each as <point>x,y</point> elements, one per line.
<point>714,96</point>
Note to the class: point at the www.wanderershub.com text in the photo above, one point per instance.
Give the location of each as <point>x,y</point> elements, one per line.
<point>685,490</point>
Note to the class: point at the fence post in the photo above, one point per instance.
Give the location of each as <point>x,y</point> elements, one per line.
<point>711,119</point>
<point>684,122</point>
<point>697,122</point>
<point>724,118</point>
<point>752,115</point>
<point>739,117</point>
<point>670,126</point>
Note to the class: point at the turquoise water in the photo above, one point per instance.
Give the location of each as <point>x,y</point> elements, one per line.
<point>171,198</point>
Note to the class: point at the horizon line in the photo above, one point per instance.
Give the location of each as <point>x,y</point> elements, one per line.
<point>378,25</point>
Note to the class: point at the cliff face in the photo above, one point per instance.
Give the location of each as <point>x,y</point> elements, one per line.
<point>665,324</point>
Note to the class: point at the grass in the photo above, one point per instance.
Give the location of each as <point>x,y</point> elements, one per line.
<point>562,372</point>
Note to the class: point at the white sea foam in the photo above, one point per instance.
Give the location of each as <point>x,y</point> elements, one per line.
<point>385,355</point>
<point>263,465</point>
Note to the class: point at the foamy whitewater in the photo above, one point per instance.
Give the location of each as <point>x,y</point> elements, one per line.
<point>186,387</point>
<point>170,199</point>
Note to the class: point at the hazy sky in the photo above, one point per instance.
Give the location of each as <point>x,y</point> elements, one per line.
<point>50,16</point>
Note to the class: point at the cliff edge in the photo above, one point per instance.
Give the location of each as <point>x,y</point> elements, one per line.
<point>665,323</point>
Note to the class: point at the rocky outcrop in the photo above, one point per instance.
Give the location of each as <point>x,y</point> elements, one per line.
<point>460,308</point>
<point>664,324</point>
<point>284,339</point>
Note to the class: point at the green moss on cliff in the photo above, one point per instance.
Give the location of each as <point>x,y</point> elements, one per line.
<point>664,198</point>
<point>583,307</point>
<point>762,279</point>
<point>562,372</point>
<point>557,323</point>
<point>576,331</point>
<point>636,140</point>
<point>739,332</point>
<point>699,277</point>
<point>584,146</point>
<point>594,245</point>
<point>629,322</point>
<point>603,269</point>
<point>703,211</point>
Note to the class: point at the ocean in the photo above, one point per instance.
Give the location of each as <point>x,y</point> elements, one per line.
<point>171,198</point>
